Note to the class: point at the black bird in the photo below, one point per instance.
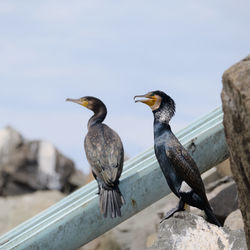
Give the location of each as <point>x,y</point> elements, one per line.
<point>105,154</point>
<point>178,167</point>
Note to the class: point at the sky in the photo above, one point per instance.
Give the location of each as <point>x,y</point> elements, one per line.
<point>52,50</point>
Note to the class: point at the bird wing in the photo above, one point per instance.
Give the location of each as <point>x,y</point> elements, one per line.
<point>104,151</point>
<point>186,168</point>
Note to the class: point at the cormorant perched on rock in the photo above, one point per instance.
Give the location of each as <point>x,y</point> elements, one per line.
<point>177,165</point>
<point>105,154</point>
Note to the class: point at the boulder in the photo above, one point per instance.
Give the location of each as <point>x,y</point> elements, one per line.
<point>223,198</point>
<point>137,232</point>
<point>140,231</point>
<point>104,242</point>
<point>10,140</point>
<point>186,231</point>
<point>27,166</point>
<point>210,176</point>
<point>236,107</point>
<point>76,180</point>
<point>234,221</point>
<point>224,169</point>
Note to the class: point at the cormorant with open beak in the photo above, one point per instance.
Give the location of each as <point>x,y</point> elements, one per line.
<point>178,167</point>
<point>105,154</point>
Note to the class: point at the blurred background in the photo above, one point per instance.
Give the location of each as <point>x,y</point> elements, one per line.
<point>51,50</point>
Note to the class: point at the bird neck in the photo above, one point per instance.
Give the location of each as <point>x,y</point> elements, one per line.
<point>163,114</point>
<point>98,117</point>
<point>160,127</point>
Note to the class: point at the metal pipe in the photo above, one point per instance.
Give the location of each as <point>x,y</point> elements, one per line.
<point>76,219</point>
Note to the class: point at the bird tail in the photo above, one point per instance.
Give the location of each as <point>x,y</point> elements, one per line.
<point>211,217</point>
<point>111,201</point>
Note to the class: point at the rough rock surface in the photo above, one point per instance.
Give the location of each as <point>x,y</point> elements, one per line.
<point>223,199</point>
<point>104,242</point>
<point>27,166</point>
<point>236,107</point>
<point>136,233</point>
<point>224,169</point>
<point>140,231</point>
<point>234,220</point>
<point>17,209</point>
<point>185,231</point>
<point>222,196</point>
<point>10,140</point>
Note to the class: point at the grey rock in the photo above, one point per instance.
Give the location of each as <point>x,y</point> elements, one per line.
<point>105,242</point>
<point>137,232</point>
<point>234,221</point>
<point>32,165</point>
<point>222,196</point>
<point>211,186</point>
<point>210,176</point>
<point>10,140</point>
<point>236,107</point>
<point>223,199</point>
<point>140,231</point>
<point>186,231</point>
<point>77,179</point>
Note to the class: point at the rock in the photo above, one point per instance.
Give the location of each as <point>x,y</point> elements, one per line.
<point>151,239</point>
<point>223,200</point>
<point>139,231</point>
<point>236,107</point>
<point>104,242</point>
<point>10,140</point>
<point>234,220</point>
<point>211,186</point>
<point>222,196</point>
<point>186,231</point>
<point>210,176</point>
<point>17,209</point>
<point>28,166</point>
<point>77,179</point>
<point>224,169</point>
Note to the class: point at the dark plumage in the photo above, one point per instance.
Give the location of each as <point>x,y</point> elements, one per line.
<point>177,165</point>
<point>104,151</point>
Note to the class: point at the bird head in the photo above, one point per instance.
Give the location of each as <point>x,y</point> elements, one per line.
<point>162,105</point>
<point>89,102</point>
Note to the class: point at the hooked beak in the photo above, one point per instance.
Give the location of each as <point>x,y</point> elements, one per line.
<point>138,96</point>
<point>78,101</point>
<point>150,101</point>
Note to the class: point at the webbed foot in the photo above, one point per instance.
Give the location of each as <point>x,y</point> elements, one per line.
<point>170,213</point>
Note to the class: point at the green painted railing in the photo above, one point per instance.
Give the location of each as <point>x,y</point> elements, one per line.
<point>76,219</point>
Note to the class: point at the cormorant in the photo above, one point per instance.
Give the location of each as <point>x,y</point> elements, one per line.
<point>178,167</point>
<point>105,154</point>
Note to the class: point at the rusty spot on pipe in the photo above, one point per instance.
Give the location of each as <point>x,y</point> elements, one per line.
<point>133,203</point>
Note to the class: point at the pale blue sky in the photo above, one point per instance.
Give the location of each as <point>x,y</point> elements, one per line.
<point>51,50</point>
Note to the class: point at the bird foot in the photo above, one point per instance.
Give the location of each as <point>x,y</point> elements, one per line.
<point>170,213</point>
